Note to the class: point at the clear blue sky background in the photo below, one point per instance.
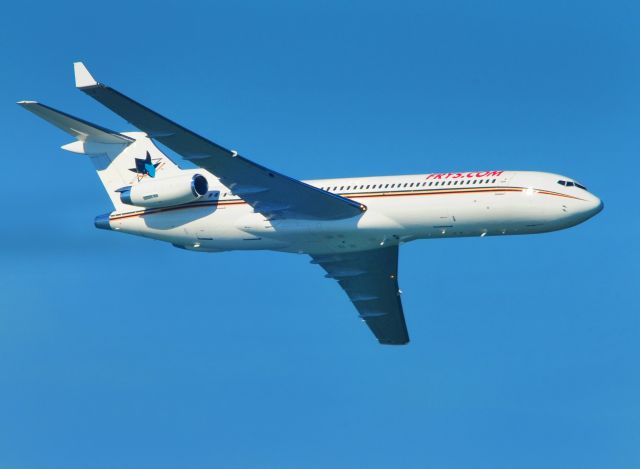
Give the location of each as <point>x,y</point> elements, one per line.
<point>120,352</point>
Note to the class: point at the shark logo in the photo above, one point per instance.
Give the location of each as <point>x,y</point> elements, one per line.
<point>145,166</point>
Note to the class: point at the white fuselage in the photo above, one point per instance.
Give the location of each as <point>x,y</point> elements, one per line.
<point>399,209</point>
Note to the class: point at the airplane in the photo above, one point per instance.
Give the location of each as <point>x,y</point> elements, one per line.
<point>351,227</point>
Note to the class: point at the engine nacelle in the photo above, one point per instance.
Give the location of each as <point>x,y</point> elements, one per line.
<point>166,191</point>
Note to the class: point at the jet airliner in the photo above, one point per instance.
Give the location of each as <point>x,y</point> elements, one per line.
<point>351,227</point>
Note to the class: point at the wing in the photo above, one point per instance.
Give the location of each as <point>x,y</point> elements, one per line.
<point>370,279</point>
<point>268,192</point>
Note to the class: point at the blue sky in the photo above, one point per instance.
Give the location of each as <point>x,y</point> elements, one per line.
<point>120,352</point>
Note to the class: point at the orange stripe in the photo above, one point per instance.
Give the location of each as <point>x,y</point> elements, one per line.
<point>558,194</point>
<point>470,190</point>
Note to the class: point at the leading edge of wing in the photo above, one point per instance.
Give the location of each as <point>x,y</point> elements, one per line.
<point>267,191</point>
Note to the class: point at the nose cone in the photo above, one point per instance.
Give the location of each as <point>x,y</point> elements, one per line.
<point>594,206</point>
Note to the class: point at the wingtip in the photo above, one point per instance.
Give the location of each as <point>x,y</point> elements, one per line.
<point>84,79</point>
<point>403,341</point>
<point>26,103</point>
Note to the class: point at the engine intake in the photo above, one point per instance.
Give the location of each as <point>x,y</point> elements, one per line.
<point>165,192</point>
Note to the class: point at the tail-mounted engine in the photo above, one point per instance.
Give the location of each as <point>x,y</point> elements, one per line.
<point>166,191</point>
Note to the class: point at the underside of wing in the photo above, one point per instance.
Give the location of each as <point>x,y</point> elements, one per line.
<point>370,279</point>
<point>268,192</point>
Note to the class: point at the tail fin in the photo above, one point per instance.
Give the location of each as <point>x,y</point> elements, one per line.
<point>121,159</point>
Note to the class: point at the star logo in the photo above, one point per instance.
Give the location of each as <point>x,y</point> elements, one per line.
<point>145,167</point>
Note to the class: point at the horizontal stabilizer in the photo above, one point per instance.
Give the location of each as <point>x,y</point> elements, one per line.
<point>82,130</point>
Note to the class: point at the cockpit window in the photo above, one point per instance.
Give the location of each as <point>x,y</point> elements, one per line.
<point>571,184</point>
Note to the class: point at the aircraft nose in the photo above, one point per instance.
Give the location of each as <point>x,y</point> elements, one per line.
<point>595,206</point>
